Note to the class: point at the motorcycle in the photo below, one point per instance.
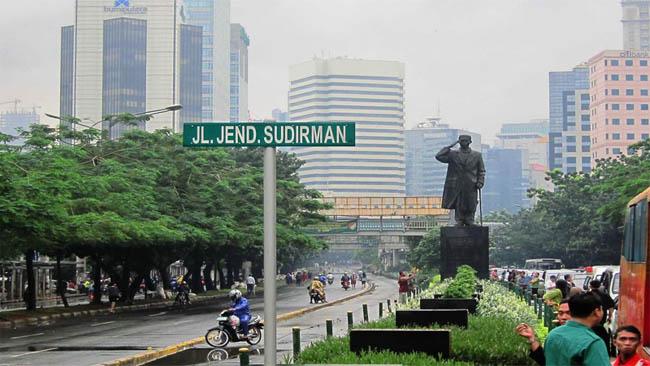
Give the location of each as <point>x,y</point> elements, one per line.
<point>345,285</point>
<point>225,333</point>
<point>315,297</point>
<point>330,279</point>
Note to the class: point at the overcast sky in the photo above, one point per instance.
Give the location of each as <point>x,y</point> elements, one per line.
<point>485,61</point>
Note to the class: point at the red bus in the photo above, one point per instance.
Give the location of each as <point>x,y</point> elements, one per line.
<point>634,297</point>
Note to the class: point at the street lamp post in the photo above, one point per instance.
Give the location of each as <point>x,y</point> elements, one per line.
<point>112,121</point>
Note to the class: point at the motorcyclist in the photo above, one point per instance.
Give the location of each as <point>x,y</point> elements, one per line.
<point>330,278</point>
<point>323,279</point>
<point>240,309</point>
<point>345,280</point>
<point>183,290</point>
<point>317,285</point>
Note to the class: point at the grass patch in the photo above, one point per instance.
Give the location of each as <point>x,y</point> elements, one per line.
<point>486,341</point>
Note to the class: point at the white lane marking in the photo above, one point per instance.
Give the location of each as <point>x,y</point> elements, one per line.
<point>29,335</point>
<point>159,314</point>
<point>104,323</point>
<point>34,352</point>
<point>182,322</point>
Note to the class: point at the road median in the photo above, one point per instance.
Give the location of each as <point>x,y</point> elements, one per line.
<point>153,355</point>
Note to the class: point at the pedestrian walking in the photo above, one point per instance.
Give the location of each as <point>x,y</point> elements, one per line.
<point>403,283</point>
<point>555,296</point>
<point>250,285</point>
<point>364,279</point>
<point>575,343</point>
<point>608,311</point>
<point>113,296</point>
<point>353,280</point>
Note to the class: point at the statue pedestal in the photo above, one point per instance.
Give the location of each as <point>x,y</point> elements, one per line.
<point>464,245</point>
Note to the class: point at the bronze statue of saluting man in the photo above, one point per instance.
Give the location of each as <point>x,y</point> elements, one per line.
<point>465,177</point>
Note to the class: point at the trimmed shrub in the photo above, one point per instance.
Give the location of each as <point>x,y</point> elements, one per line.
<point>463,285</point>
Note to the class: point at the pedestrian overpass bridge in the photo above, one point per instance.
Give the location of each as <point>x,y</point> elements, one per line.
<point>388,224</point>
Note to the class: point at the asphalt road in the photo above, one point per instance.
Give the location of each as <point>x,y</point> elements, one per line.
<point>106,338</point>
<point>312,328</point>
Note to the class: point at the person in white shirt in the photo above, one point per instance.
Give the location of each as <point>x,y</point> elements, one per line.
<point>250,285</point>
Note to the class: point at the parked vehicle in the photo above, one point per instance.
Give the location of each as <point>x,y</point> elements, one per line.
<point>542,264</point>
<point>229,330</point>
<point>634,296</point>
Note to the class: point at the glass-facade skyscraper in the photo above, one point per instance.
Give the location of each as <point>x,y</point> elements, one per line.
<point>213,16</point>
<point>568,113</point>
<point>636,24</point>
<point>124,71</point>
<point>130,57</point>
<point>239,43</point>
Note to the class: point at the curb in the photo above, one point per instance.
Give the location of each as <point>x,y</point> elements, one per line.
<point>175,348</point>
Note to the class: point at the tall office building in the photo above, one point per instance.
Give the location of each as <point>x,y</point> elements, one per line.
<point>129,56</point>
<point>278,115</point>
<point>425,176</point>
<point>505,182</point>
<point>532,138</point>
<point>569,120</point>
<point>369,93</point>
<point>636,24</point>
<point>213,16</point>
<point>239,43</point>
<point>620,101</point>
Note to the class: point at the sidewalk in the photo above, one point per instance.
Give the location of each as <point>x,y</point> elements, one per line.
<point>23,318</point>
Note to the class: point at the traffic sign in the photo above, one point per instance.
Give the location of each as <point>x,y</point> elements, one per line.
<point>268,134</point>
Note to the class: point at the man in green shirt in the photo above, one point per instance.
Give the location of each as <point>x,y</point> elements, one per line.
<point>575,343</point>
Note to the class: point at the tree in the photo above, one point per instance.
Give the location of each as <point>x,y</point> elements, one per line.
<point>426,254</point>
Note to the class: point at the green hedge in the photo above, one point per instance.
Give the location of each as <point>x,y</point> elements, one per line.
<point>486,341</point>
<point>463,285</point>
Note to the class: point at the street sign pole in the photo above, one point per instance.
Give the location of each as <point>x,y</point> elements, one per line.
<point>269,257</point>
<point>269,135</point>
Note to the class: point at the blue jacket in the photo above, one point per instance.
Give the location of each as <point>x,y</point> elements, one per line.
<point>242,310</point>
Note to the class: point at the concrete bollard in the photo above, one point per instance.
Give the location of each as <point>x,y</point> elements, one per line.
<point>381,310</point>
<point>329,326</point>
<point>296,342</point>
<point>350,321</point>
<point>365,313</point>
<point>244,357</point>
<point>388,307</point>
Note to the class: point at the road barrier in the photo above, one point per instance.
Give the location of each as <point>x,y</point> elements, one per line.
<point>329,327</point>
<point>244,357</point>
<point>365,313</point>
<point>350,320</point>
<point>381,310</point>
<point>296,341</point>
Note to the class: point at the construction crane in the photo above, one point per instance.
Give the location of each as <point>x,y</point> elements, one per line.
<point>15,102</point>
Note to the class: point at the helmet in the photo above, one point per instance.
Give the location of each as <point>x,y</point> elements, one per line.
<point>234,295</point>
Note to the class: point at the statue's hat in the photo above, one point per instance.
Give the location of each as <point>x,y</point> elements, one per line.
<point>465,136</point>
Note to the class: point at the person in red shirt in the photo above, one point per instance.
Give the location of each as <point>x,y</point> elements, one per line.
<point>403,282</point>
<point>627,339</point>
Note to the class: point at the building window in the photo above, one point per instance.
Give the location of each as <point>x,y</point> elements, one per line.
<point>644,77</point>
<point>616,121</point>
<point>644,121</point>
<point>630,121</point>
<point>629,92</point>
<point>570,149</point>
<point>585,127</point>
<point>644,107</point>
<point>571,160</point>
<point>630,136</point>
<point>616,151</point>
<point>614,91</point>
<point>614,62</point>
<point>629,107</point>
<point>606,136</point>
<point>629,77</point>
<point>586,160</point>
<point>585,148</point>
<point>643,62</point>
<point>644,92</point>
<point>605,77</point>
<point>616,136</point>
<point>644,136</point>
<point>614,77</point>
<point>629,63</point>
<point>615,107</point>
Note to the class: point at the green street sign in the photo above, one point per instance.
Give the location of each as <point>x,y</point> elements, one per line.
<point>268,134</point>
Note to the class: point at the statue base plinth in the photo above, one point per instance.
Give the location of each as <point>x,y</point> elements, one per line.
<point>464,245</point>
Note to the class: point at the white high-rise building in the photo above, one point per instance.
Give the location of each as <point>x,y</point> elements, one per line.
<point>369,93</point>
<point>131,56</point>
<point>239,43</point>
<point>636,24</point>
